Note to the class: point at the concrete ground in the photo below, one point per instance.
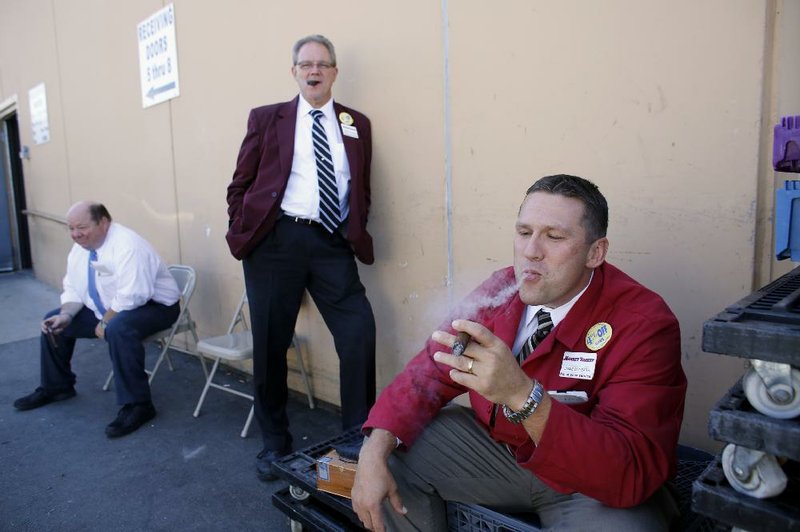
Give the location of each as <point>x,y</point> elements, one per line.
<point>58,471</point>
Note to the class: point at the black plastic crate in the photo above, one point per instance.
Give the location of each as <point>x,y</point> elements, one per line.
<point>733,420</point>
<point>463,517</point>
<point>714,497</point>
<point>764,325</point>
<point>692,462</point>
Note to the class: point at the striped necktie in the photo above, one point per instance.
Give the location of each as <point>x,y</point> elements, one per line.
<point>328,193</point>
<point>543,328</point>
<point>92,286</point>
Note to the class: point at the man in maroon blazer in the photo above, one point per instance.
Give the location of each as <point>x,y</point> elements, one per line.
<point>297,207</point>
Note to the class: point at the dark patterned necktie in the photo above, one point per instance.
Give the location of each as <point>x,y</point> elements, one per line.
<point>543,328</point>
<point>328,193</point>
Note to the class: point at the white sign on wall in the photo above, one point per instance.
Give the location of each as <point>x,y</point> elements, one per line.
<point>37,100</point>
<point>158,57</point>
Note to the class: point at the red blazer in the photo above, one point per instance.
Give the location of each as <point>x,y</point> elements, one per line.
<point>620,445</point>
<point>262,172</point>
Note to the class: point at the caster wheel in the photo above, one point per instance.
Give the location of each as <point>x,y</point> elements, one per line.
<point>298,493</point>
<point>753,473</point>
<point>295,526</point>
<point>781,401</point>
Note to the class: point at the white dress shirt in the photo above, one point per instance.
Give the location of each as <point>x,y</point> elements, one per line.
<point>302,191</point>
<point>529,322</point>
<point>129,274</point>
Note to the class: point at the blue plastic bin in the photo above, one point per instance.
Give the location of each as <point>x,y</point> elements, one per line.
<point>787,221</point>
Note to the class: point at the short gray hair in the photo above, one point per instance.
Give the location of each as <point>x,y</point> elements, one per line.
<point>317,39</point>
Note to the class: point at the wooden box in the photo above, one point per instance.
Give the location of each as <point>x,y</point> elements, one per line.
<point>335,475</point>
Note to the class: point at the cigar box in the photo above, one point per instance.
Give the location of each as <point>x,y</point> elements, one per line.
<point>335,475</point>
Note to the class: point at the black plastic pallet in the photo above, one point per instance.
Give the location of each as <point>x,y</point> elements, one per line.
<point>299,469</point>
<point>764,325</point>
<point>713,497</point>
<point>733,420</point>
<point>313,515</point>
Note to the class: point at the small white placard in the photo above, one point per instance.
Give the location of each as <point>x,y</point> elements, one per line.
<point>37,100</point>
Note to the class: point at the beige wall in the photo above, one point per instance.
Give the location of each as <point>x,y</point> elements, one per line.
<point>668,106</point>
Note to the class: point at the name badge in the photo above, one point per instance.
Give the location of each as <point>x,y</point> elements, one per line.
<point>101,269</point>
<point>349,131</point>
<point>578,365</point>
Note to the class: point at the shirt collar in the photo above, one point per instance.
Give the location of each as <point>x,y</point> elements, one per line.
<point>304,108</point>
<point>556,314</point>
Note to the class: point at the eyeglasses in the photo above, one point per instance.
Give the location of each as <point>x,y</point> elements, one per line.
<point>308,65</point>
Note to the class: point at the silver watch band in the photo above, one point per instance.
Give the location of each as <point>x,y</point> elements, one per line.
<point>530,406</point>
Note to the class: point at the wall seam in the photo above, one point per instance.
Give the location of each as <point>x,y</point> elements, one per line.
<point>61,103</point>
<point>175,183</point>
<point>174,164</point>
<point>766,178</point>
<point>448,152</point>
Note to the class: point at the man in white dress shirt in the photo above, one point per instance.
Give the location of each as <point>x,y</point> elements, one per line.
<point>118,289</point>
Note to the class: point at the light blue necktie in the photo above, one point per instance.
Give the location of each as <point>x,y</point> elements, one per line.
<point>92,286</point>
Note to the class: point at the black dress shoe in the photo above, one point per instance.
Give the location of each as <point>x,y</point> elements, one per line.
<point>264,463</point>
<point>42,397</point>
<point>130,418</point>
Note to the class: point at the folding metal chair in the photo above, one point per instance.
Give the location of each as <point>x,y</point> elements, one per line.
<point>186,279</point>
<point>238,346</point>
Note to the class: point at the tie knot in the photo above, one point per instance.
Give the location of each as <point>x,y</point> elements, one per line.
<point>543,318</point>
<point>316,114</point>
<point>92,255</point>
<point>544,326</point>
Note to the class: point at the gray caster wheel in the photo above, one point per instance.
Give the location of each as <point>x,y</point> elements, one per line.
<point>298,493</point>
<point>753,473</point>
<point>773,389</point>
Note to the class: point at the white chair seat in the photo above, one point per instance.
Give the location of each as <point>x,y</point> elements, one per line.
<point>234,346</point>
<point>239,346</point>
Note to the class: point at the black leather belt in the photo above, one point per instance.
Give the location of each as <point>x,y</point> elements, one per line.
<point>304,221</point>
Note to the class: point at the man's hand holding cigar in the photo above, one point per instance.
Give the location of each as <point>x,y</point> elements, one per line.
<point>56,324</point>
<point>485,364</point>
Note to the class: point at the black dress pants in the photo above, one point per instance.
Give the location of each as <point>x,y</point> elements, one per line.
<point>292,258</point>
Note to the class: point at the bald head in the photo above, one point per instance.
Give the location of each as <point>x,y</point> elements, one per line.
<point>88,223</point>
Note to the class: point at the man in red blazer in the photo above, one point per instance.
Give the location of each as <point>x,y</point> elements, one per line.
<point>297,208</point>
<point>575,384</point>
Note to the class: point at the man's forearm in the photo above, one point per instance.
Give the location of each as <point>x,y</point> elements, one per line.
<point>71,309</point>
<point>378,446</point>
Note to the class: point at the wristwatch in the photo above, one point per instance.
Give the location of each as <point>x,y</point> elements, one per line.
<point>530,406</point>
<point>103,324</point>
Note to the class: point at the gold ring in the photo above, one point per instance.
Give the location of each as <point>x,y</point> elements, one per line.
<point>469,365</point>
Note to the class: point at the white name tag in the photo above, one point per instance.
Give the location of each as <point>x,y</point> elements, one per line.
<point>350,131</point>
<point>101,269</point>
<point>578,365</point>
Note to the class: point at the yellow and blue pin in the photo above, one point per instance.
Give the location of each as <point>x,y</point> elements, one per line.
<point>598,335</point>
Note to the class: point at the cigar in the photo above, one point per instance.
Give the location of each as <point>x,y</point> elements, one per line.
<point>461,343</point>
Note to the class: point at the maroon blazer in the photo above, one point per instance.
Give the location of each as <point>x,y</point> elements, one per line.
<point>262,172</point>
